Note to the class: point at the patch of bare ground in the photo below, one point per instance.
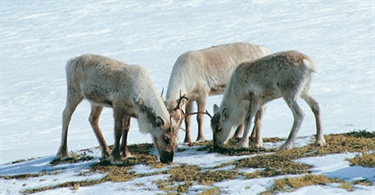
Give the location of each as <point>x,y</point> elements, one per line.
<point>270,162</point>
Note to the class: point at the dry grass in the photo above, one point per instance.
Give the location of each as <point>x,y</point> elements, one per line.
<point>365,160</point>
<point>293,183</point>
<point>290,184</point>
<point>211,191</point>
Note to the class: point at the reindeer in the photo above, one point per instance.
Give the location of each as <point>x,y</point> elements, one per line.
<point>202,73</point>
<point>129,91</point>
<point>254,83</point>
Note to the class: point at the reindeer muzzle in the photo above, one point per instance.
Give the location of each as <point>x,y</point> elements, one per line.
<point>166,157</point>
<point>216,146</point>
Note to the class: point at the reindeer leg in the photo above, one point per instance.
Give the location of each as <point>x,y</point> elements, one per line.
<point>126,126</point>
<point>314,105</point>
<point>189,108</point>
<point>201,102</point>
<point>94,121</point>
<point>118,116</point>
<point>244,143</point>
<point>239,131</point>
<point>298,117</point>
<point>257,127</point>
<point>72,101</point>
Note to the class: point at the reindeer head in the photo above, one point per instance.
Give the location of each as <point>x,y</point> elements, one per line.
<point>221,126</point>
<point>166,139</point>
<point>166,142</point>
<point>175,109</point>
<point>163,129</point>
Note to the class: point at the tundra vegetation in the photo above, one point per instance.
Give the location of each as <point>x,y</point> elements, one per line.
<point>271,163</point>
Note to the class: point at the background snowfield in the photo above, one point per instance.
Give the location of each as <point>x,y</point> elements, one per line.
<point>38,37</point>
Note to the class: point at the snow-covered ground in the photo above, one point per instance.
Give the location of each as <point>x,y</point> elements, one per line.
<point>38,37</point>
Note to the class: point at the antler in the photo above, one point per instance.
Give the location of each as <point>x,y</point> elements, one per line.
<point>180,100</point>
<point>206,112</point>
<point>185,115</point>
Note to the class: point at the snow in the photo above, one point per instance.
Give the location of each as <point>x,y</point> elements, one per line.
<point>340,169</point>
<point>38,37</point>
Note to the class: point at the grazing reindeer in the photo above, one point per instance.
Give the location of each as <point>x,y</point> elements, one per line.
<point>254,83</point>
<point>202,73</point>
<point>127,89</point>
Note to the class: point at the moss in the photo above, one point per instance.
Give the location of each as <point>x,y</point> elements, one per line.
<point>290,184</point>
<point>183,173</point>
<point>190,174</point>
<point>365,160</point>
<point>361,133</point>
<point>211,191</point>
<point>73,185</point>
<point>23,176</point>
<point>346,186</point>
<point>363,182</point>
<point>274,164</point>
<point>209,177</point>
<point>207,143</point>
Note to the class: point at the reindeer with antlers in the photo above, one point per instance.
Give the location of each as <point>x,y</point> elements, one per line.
<point>129,91</point>
<point>202,73</point>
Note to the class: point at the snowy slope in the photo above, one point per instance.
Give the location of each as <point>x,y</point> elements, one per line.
<point>38,37</point>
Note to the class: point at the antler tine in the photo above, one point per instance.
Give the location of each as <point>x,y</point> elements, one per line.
<point>208,114</point>
<point>183,129</point>
<point>162,92</point>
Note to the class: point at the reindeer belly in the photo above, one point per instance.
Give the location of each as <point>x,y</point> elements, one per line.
<point>267,92</point>
<point>97,95</point>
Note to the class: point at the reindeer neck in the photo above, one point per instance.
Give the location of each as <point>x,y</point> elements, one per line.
<point>235,100</point>
<point>148,102</point>
<point>176,88</point>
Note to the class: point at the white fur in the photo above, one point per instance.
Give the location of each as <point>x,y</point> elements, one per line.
<point>127,89</point>
<point>254,83</point>
<point>205,72</point>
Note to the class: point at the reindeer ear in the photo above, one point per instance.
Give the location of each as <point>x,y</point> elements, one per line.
<point>180,103</point>
<point>225,113</point>
<point>216,108</point>
<point>159,121</point>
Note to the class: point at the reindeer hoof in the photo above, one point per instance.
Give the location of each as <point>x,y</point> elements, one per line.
<point>114,161</point>
<point>62,156</point>
<point>286,147</point>
<point>106,154</point>
<point>257,145</point>
<point>320,142</point>
<point>242,145</point>
<point>188,141</point>
<point>131,157</point>
<point>201,138</point>
<point>126,154</point>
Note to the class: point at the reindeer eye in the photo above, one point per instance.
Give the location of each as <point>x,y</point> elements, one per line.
<point>218,130</point>
<point>166,139</point>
